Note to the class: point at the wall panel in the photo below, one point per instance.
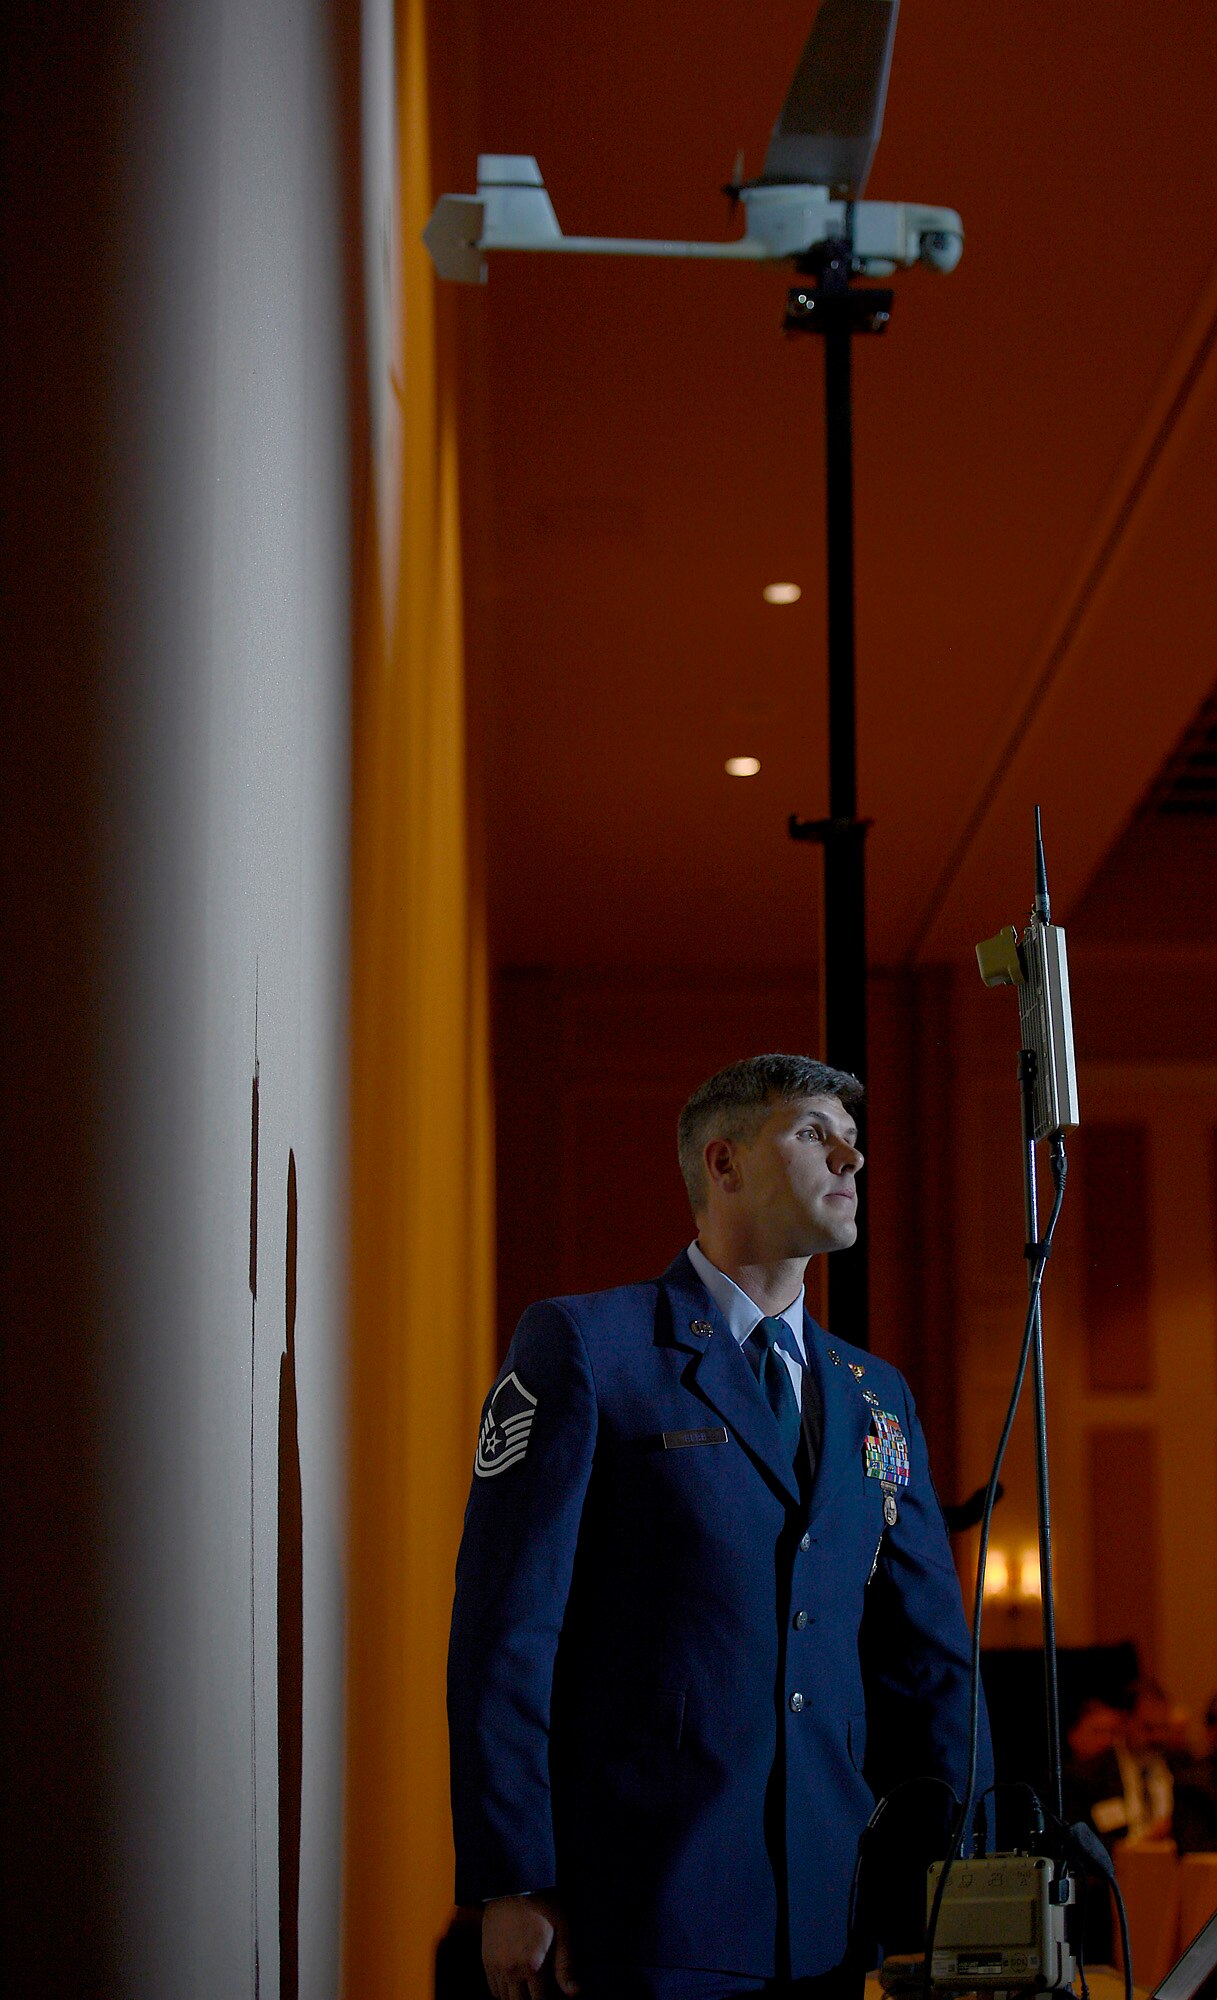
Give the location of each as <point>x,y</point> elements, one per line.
<point>1114,1178</point>
<point>1125,1537</point>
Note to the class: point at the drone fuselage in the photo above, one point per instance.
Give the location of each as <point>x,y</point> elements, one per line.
<point>783,221</point>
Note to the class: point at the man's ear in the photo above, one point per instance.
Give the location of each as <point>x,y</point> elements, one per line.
<point>722,1167</point>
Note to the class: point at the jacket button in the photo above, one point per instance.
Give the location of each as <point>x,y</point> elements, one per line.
<point>800,1619</point>
<point>796,1703</point>
<point>805,1544</point>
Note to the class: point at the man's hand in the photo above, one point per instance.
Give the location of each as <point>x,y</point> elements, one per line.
<point>526,1948</point>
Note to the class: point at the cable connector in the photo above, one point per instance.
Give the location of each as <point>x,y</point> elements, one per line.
<point>1085,1846</point>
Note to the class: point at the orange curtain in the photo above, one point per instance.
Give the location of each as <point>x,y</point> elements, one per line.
<point>421,1226</point>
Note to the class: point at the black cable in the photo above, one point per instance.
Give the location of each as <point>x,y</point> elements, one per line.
<point>1125,1946</point>
<point>881,1806</point>
<point>1083,1910</point>
<point>1060,1167</point>
<point>1084,1845</point>
<point>1039,1254</point>
<point>1019,1785</point>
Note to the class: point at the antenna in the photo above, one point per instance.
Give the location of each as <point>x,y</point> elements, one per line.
<point>1043,908</point>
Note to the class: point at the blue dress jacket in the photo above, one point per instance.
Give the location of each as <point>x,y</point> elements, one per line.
<point>664,1657</point>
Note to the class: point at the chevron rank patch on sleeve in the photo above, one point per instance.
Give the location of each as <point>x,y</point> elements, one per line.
<point>503,1438</point>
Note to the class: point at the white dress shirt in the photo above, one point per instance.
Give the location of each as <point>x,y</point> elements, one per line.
<point>743,1315</point>
<point>1149,1789</point>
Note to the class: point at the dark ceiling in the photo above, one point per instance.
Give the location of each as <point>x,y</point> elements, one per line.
<point>1036,438</point>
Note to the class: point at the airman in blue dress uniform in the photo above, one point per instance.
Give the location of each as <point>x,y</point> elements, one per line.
<point>702,1554</point>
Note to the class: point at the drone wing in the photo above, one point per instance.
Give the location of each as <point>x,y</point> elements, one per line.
<point>829,126</point>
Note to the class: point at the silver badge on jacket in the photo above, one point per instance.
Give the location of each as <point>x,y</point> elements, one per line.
<point>503,1438</point>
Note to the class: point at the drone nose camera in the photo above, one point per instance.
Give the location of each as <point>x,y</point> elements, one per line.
<point>941,249</point>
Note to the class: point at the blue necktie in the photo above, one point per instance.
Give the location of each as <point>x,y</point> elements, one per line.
<point>773,1375</point>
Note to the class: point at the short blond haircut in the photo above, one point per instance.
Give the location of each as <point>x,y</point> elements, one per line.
<point>734,1103</point>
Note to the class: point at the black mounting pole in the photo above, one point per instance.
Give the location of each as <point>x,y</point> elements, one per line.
<point>826,305</point>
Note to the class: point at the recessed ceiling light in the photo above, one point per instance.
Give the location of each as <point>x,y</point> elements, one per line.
<point>781,593</point>
<point>742,767</point>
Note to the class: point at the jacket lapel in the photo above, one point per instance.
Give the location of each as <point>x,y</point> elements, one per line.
<point>846,1416</point>
<point>721,1375</point>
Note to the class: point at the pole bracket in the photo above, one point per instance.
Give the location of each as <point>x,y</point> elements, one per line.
<point>828,832</point>
<point>811,308</point>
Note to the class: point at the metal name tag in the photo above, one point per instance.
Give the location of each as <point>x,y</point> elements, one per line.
<point>673,1440</point>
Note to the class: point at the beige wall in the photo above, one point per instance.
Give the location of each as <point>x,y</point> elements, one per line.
<point>229,714</point>
<point>181,666</point>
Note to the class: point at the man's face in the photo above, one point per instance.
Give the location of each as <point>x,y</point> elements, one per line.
<point>1096,1729</point>
<point>798,1178</point>
<point>1148,1727</point>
